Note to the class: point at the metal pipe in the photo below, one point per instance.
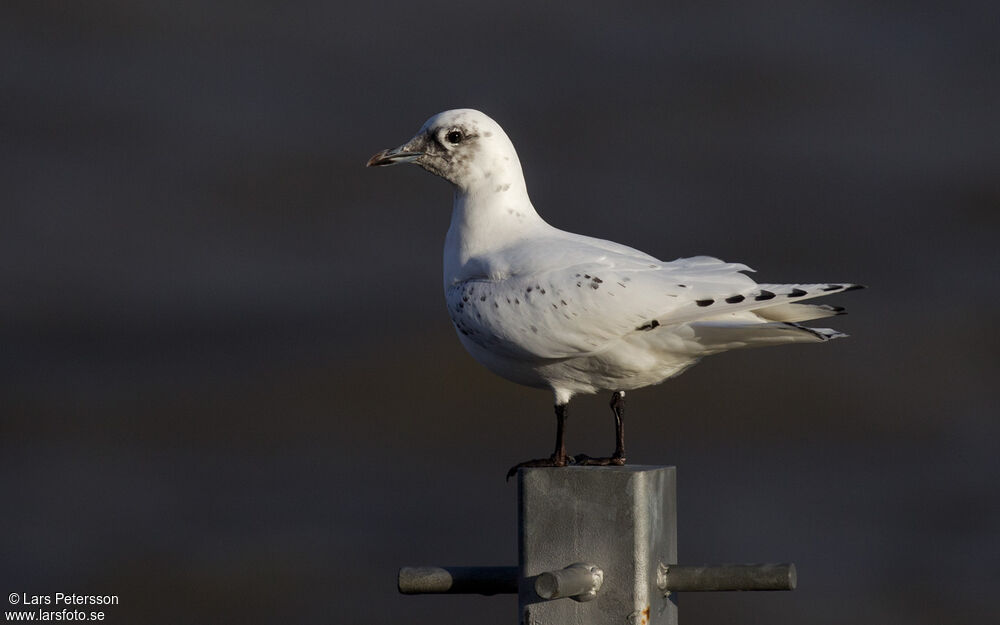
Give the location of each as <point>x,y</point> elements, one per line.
<point>579,581</point>
<point>677,578</point>
<point>475,580</point>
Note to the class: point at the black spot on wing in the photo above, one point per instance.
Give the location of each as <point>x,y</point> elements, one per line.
<point>736,299</point>
<point>764,295</point>
<point>704,302</point>
<point>649,326</point>
<point>796,293</point>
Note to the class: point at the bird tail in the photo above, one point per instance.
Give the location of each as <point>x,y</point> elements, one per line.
<point>717,336</point>
<point>792,313</point>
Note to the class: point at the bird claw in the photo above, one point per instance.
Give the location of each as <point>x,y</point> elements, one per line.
<point>587,461</point>
<point>582,460</point>
<point>551,461</point>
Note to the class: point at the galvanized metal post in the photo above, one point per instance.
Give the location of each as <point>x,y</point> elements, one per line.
<point>621,521</point>
<point>596,545</point>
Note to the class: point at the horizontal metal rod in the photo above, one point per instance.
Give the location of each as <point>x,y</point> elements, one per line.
<point>475,580</point>
<point>677,578</point>
<point>494,580</point>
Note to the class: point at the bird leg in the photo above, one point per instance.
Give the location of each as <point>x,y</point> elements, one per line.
<point>558,457</point>
<point>618,458</point>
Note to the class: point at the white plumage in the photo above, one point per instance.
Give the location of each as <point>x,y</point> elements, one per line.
<point>575,314</point>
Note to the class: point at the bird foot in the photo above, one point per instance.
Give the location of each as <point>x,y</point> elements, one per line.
<point>587,461</point>
<point>551,461</point>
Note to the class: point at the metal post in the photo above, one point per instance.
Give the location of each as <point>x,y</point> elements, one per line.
<point>597,545</point>
<point>621,519</point>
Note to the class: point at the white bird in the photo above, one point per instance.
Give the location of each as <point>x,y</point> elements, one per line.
<point>574,314</point>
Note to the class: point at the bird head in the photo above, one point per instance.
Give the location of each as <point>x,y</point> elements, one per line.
<point>463,146</point>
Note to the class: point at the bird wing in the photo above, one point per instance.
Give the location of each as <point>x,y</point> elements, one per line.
<point>593,292</point>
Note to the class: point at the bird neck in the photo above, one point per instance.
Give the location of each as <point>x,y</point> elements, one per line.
<point>484,219</point>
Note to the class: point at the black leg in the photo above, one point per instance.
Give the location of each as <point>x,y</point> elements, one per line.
<point>558,457</point>
<point>618,458</point>
<point>618,407</point>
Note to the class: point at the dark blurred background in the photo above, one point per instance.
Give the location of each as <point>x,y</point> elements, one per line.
<point>230,389</point>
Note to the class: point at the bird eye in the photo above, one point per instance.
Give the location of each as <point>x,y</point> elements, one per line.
<point>454,136</point>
